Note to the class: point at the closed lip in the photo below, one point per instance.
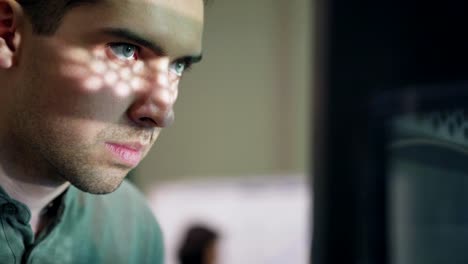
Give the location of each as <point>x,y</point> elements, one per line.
<point>134,146</point>
<point>126,153</point>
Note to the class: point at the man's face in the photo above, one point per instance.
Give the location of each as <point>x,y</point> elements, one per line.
<point>89,101</point>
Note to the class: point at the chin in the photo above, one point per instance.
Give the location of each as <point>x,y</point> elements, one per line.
<point>103,183</point>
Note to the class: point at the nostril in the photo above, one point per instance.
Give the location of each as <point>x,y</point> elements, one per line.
<point>147,120</point>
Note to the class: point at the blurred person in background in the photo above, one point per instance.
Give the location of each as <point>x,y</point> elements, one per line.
<point>199,246</point>
<point>86,87</point>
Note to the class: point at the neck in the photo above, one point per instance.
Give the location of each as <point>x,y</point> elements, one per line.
<point>35,196</point>
<point>29,181</point>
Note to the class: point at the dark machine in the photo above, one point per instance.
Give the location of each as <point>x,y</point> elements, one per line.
<point>390,147</point>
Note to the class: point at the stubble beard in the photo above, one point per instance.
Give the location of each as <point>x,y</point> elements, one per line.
<point>58,160</point>
<point>58,153</point>
<point>54,154</point>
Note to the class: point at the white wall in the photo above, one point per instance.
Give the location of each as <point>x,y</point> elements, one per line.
<point>264,220</point>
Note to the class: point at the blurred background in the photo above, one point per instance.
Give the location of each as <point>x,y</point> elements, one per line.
<point>236,158</point>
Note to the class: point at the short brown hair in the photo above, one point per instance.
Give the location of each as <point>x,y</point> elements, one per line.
<point>46,15</point>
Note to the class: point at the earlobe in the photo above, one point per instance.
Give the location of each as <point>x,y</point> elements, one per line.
<point>9,15</point>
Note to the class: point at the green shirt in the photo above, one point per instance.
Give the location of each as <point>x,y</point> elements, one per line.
<point>112,228</point>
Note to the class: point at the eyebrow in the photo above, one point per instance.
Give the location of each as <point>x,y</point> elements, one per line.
<point>134,37</point>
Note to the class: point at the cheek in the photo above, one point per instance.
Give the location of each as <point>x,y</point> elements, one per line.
<point>51,131</point>
<point>99,72</point>
<point>66,101</point>
<point>67,96</point>
<point>76,79</point>
<point>70,131</point>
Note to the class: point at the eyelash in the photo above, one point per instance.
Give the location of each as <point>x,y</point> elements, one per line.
<point>115,45</point>
<point>187,63</point>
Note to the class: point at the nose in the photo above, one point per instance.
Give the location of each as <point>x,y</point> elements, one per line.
<point>153,107</point>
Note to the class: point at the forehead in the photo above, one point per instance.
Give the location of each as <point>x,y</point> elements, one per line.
<point>174,25</point>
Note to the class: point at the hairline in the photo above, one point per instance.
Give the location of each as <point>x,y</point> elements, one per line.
<point>54,16</point>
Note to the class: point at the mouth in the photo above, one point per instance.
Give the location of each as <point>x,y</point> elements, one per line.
<point>127,154</point>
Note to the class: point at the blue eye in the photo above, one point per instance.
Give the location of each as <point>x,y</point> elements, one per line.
<point>124,51</point>
<point>179,67</point>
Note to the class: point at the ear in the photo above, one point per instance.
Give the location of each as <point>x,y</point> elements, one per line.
<point>10,15</point>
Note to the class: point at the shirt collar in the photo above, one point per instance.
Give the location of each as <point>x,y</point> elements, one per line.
<point>10,206</point>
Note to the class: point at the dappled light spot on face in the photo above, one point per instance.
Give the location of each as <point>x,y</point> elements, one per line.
<point>164,96</point>
<point>138,67</point>
<point>75,71</point>
<point>98,71</point>
<point>137,84</point>
<point>98,67</point>
<point>94,72</point>
<point>114,66</point>
<point>79,56</point>
<point>111,77</point>
<point>93,83</point>
<point>122,89</point>
<point>99,54</point>
<point>162,65</point>
<point>125,74</point>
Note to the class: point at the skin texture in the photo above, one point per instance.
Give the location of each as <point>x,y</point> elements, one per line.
<point>66,97</point>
